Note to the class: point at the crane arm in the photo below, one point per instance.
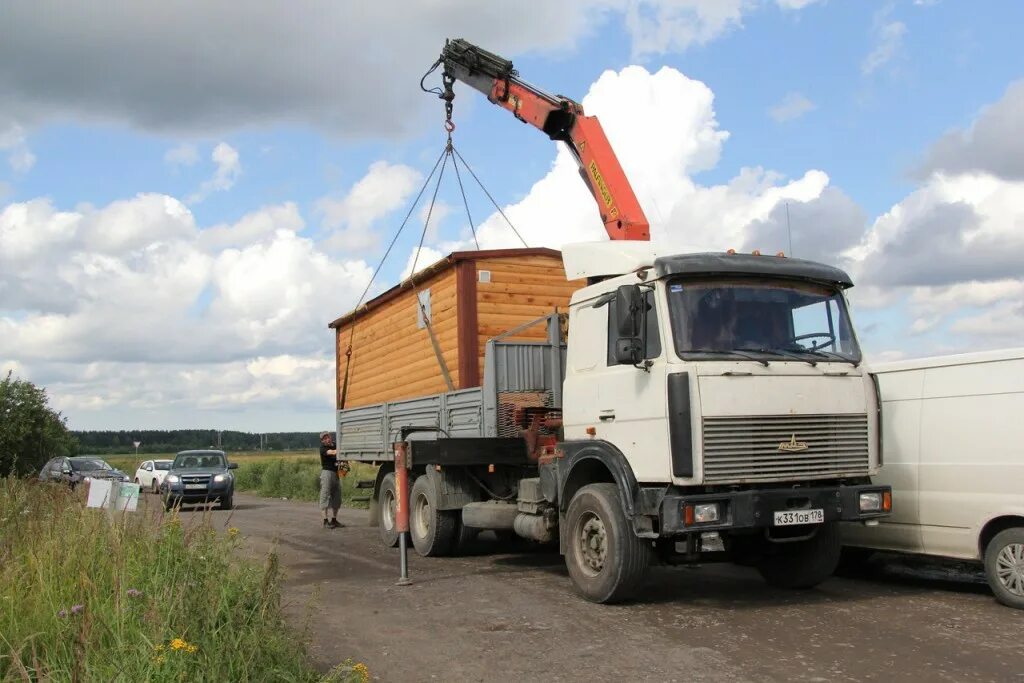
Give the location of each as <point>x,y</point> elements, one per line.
<point>561,119</point>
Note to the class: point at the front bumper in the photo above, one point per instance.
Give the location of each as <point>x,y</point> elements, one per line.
<point>756,508</point>
<point>178,493</point>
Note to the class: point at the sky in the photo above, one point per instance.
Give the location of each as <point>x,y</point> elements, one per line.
<point>191,191</point>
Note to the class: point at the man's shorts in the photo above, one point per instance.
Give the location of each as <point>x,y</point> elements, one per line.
<point>330,490</point>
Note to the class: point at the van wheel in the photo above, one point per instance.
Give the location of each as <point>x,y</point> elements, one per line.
<point>388,511</point>
<point>802,564</point>
<point>1004,566</point>
<point>606,560</point>
<point>432,530</point>
<point>155,487</point>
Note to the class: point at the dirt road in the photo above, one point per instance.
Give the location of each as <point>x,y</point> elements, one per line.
<point>503,616</point>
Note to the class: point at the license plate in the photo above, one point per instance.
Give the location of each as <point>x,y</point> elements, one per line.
<point>789,517</point>
<point>203,486</point>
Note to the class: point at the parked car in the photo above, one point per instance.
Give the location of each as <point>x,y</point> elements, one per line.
<point>953,449</point>
<point>79,469</point>
<point>199,477</point>
<point>151,473</point>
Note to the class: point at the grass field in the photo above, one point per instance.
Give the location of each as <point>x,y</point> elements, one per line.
<point>276,474</point>
<point>137,597</point>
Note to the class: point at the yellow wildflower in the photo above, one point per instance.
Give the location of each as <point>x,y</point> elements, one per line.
<point>191,649</point>
<point>178,644</point>
<point>160,659</point>
<point>232,532</point>
<point>363,672</point>
<point>158,648</point>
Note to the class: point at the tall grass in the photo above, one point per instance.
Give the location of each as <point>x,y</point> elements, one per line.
<point>298,479</point>
<point>135,597</point>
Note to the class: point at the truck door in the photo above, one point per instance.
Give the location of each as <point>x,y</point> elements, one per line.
<point>632,402</point>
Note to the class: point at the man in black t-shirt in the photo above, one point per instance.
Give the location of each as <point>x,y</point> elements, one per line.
<point>330,486</point>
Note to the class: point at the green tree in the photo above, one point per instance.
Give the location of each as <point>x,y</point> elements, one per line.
<point>30,431</point>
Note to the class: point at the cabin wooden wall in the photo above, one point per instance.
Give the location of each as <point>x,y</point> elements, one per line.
<point>392,358</point>
<point>522,288</point>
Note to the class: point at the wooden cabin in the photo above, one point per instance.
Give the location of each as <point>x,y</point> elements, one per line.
<point>469,297</point>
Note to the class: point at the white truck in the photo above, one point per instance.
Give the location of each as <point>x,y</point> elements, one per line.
<point>954,451</point>
<point>705,406</point>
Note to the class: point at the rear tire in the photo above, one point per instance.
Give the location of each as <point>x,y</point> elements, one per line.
<point>606,560</point>
<point>388,500</point>
<point>432,530</point>
<point>802,564</point>
<point>1004,566</point>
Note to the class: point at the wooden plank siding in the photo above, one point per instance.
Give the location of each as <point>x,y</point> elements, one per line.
<point>522,288</point>
<point>393,359</point>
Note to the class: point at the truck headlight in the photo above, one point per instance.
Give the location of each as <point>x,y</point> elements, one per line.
<point>172,479</point>
<point>705,512</point>
<point>871,501</point>
<point>221,477</point>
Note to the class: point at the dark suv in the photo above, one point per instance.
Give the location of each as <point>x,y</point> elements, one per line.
<point>199,477</point>
<point>79,469</point>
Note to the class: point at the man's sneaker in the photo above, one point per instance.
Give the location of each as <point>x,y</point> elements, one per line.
<point>335,524</point>
<point>326,525</point>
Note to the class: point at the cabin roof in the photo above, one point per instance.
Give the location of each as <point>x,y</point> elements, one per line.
<point>433,269</point>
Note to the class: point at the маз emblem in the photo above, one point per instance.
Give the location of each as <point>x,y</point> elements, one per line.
<point>792,446</point>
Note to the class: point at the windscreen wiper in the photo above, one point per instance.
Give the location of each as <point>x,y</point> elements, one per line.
<point>831,355</point>
<point>789,354</point>
<point>735,352</point>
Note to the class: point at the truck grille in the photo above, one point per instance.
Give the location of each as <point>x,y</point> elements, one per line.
<point>747,449</point>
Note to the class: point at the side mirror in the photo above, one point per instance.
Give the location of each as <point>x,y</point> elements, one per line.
<point>65,470</point>
<point>629,302</point>
<point>232,465</point>
<point>629,350</point>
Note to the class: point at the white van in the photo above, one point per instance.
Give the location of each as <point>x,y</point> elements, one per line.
<point>953,452</point>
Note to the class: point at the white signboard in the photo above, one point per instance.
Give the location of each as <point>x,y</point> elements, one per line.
<point>99,493</point>
<point>127,499</point>
<point>113,495</point>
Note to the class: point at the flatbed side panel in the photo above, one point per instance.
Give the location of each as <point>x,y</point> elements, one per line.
<point>367,432</point>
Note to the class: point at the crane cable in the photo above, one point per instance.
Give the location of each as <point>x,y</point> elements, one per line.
<point>449,152</point>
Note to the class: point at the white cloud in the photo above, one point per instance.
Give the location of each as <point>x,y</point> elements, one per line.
<point>186,78</point>
<point>228,168</point>
<point>350,220</point>
<point>253,227</point>
<point>664,130</point>
<point>792,106</point>
<point>992,143</point>
<point>888,41</point>
<point>14,142</point>
<point>184,154</point>
<point>794,4</point>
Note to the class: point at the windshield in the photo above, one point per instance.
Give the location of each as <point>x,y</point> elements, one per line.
<point>89,465</point>
<point>757,319</point>
<point>198,460</point>
<point>162,464</point>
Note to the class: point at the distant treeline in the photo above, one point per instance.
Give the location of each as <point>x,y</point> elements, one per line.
<point>170,441</point>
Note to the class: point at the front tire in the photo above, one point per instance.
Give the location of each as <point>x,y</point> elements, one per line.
<point>802,564</point>
<point>606,560</point>
<point>155,487</point>
<point>1004,566</point>
<point>388,511</point>
<point>227,502</point>
<point>433,531</point>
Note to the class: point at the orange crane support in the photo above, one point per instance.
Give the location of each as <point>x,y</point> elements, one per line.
<point>561,119</point>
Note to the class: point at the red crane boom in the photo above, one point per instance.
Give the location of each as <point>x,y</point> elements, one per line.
<point>561,119</point>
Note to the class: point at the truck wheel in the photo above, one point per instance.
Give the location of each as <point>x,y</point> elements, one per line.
<point>432,530</point>
<point>465,536</point>
<point>802,564</point>
<point>606,560</point>
<point>1004,566</point>
<point>388,511</point>
<point>227,503</point>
